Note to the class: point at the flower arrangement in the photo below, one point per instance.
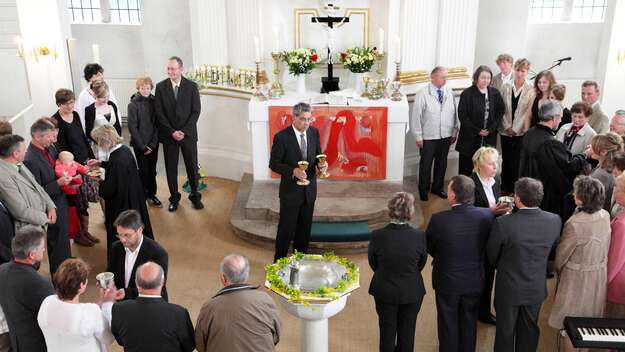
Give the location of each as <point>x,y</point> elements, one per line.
<point>300,61</point>
<point>358,59</point>
<point>348,283</point>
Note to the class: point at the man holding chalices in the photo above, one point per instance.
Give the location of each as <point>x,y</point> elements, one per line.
<point>296,155</point>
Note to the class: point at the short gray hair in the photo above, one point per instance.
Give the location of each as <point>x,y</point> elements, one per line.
<point>464,189</point>
<point>437,69</point>
<point>620,112</point>
<point>549,110</point>
<point>151,282</point>
<point>27,239</point>
<point>530,191</point>
<point>401,206</point>
<point>236,268</point>
<point>299,108</point>
<point>177,59</point>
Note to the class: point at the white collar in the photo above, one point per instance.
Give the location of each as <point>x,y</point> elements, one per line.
<point>128,251</point>
<point>528,208</point>
<point>488,182</point>
<point>115,148</point>
<point>149,296</point>
<point>298,133</point>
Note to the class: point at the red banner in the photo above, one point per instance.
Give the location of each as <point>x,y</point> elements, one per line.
<point>353,138</point>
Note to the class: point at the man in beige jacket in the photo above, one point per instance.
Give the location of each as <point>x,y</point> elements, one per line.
<point>590,95</point>
<point>27,202</point>
<point>239,317</point>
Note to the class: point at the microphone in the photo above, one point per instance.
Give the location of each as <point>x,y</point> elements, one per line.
<point>564,59</point>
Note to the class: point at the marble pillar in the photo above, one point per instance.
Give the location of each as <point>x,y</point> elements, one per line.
<point>209,34</point>
<point>457,33</point>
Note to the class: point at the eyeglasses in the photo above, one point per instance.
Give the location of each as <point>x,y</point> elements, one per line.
<point>124,236</point>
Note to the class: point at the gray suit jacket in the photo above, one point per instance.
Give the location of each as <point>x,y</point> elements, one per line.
<point>26,200</point>
<point>599,121</point>
<point>518,246</point>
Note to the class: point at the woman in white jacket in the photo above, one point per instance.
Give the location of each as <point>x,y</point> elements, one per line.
<point>577,135</point>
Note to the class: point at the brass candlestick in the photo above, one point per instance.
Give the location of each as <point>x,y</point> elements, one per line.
<point>257,93</point>
<point>276,88</point>
<point>396,84</point>
<point>365,80</point>
<point>379,58</point>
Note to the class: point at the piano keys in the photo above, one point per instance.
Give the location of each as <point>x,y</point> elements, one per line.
<point>596,332</point>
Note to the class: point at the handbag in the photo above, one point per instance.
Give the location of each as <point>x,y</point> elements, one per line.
<point>89,189</point>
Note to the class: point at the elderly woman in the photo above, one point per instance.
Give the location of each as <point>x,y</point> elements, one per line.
<point>479,110</point>
<point>487,191</point>
<point>518,98</point>
<point>581,257</point>
<point>397,254</point>
<point>543,83</point>
<point>121,188</point>
<point>67,324</point>
<point>615,306</point>
<point>576,135</point>
<point>603,149</point>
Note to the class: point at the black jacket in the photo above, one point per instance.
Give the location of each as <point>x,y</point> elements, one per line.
<point>7,232</point>
<point>22,290</point>
<point>547,160</point>
<point>456,240</point>
<point>142,122</point>
<point>471,115</point>
<point>285,153</point>
<point>397,254</point>
<point>90,119</point>
<point>179,114</point>
<point>72,138</point>
<point>151,324</point>
<point>518,246</point>
<point>480,196</point>
<point>150,251</point>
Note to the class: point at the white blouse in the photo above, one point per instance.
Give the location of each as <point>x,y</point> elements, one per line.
<point>487,185</point>
<point>69,327</point>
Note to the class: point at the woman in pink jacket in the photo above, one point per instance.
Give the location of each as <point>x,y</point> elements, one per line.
<point>615,307</point>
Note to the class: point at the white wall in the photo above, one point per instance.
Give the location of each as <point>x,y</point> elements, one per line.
<point>11,68</point>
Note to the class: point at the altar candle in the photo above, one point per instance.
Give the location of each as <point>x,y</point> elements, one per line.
<point>257,49</point>
<point>276,39</point>
<point>95,49</point>
<point>398,48</point>
<point>381,40</point>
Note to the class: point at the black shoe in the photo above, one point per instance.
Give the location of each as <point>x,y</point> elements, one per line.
<point>173,207</point>
<point>423,197</point>
<point>441,194</point>
<point>155,202</point>
<point>490,319</point>
<point>197,204</point>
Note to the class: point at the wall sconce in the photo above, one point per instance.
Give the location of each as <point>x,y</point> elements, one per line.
<point>620,57</point>
<point>37,52</point>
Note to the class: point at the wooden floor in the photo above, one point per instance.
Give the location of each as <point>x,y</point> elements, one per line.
<point>198,240</point>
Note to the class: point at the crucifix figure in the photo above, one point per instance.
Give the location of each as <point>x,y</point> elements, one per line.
<point>330,83</point>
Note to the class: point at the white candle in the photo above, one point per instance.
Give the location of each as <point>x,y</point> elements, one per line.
<point>257,49</point>
<point>398,48</point>
<point>276,39</point>
<point>381,40</point>
<point>95,48</point>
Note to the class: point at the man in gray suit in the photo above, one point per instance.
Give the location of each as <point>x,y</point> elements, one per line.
<point>23,289</point>
<point>518,246</point>
<point>590,95</point>
<point>26,200</point>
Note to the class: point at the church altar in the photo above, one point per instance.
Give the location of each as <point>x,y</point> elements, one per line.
<point>364,140</point>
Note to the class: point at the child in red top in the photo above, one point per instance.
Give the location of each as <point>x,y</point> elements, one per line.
<point>66,166</point>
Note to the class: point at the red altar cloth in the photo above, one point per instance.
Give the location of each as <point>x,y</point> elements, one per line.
<point>353,138</point>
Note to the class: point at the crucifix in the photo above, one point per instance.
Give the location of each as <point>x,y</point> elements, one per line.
<point>330,83</point>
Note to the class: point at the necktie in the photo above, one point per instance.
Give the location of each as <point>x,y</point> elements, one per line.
<point>176,92</point>
<point>303,147</point>
<point>440,95</point>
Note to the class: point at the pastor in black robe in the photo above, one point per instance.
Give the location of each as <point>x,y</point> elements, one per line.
<point>547,159</point>
<point>121,190</point>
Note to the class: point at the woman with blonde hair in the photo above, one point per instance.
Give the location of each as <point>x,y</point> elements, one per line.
<point>581,257</point>
<point>102,111</point>
<point>603,149</point>
<point>121,188</point>
<point>397,254</point>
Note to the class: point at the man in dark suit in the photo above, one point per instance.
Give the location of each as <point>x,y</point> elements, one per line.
<point>149,323</point>
<point>40,159</point>
<point>299,142</point>
<point>456,240</point>
<point>132,250</point>
<point>518,246</point>
<point>7,232</point>
<point>22,290</point>
<point>177,107</point>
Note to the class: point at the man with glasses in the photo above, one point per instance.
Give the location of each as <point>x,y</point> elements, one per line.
<point>132,250</point>
<point>298,142</point>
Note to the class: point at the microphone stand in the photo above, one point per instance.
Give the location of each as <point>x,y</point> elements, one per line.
<point>557,63</point>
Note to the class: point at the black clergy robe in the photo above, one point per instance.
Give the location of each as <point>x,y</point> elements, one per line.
<point>121,190</point>
<point>547,159</point>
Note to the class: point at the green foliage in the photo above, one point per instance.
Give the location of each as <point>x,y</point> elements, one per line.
<point>300,61</point>
<point>358,59</point>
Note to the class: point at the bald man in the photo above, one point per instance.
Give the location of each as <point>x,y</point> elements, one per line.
<point>149,323</point>
<point>258,323</point>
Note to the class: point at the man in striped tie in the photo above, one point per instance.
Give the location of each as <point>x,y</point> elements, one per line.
<point>298,142</point>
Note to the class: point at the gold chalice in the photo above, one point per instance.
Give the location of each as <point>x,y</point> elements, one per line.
<point>303,165</point>
<point>322,161</point>
<point>365,80</point>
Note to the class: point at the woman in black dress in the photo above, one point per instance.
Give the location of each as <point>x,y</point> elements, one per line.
<point>121,188</point>
<point>543,83</point>
<point>72,138</point>
<point>480,111</point>
<point>397,254</point>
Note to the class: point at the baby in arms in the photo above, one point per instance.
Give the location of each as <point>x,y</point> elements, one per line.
<point>67,167</point>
